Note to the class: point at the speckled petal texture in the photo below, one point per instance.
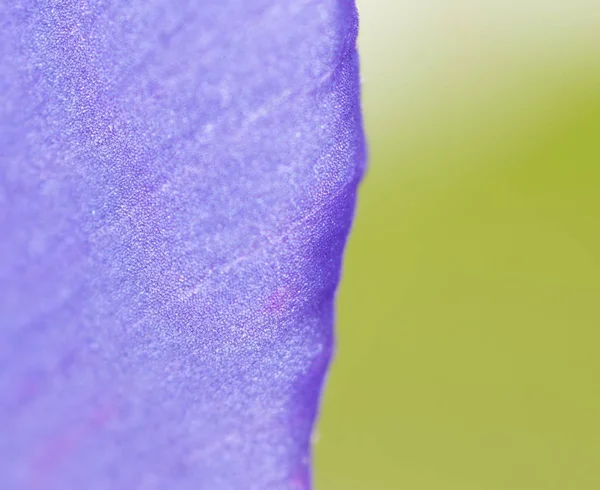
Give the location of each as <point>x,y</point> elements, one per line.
<point>177,182</point>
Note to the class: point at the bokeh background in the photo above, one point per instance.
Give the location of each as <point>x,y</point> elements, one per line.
<point>469,313</point>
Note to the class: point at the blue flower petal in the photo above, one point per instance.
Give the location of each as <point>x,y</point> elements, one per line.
<point>177,181</point>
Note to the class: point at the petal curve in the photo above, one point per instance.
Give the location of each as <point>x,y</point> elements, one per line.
<point>177,182</point>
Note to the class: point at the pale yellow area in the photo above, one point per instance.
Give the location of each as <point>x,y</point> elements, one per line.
<point>469,313</point>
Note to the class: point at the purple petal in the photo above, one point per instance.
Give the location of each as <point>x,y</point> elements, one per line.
<point>177,181</point>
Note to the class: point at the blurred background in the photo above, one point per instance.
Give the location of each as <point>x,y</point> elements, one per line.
<point>469,313</point>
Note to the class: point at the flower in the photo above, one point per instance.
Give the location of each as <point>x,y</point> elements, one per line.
<point>177,182</point>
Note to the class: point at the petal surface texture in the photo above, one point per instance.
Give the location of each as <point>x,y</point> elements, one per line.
<point>177,182</point>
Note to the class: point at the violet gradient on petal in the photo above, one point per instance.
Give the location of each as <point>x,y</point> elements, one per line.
<point>177,182</point>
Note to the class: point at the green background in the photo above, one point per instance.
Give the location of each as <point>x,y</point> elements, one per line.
<point>469,311</point>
